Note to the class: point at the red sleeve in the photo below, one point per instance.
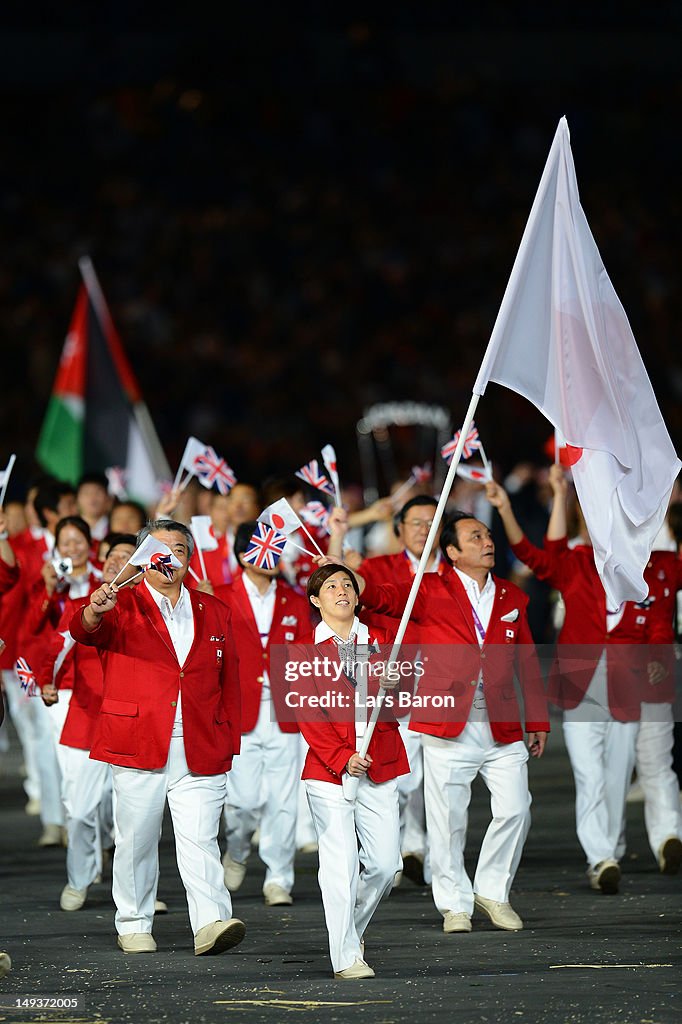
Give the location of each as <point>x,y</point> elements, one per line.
<point>547,563</point>
<point>43,609</point>
<point>391,598</point>
<point>9,574</point>
<point>100,637</point>
<point>535,707</point>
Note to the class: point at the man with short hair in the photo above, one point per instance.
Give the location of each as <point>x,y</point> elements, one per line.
<point>170,726</point>
<point>474,631</point>
<point>94,504</point>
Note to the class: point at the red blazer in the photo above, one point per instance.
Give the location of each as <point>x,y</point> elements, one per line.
<point>584,636</point>
<point>78,668</point>
<point>395,568</point>
<point>9,574</point>
<point>219,567</point>
<point>331,737</point>
<point>30,554</point>
<point>142,679</point>
<point>448,639</point>
<point>290,623</point>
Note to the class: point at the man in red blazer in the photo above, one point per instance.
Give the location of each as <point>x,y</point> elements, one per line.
<point>170,726</point>
<point>262,789</point>
<point>475,633</point>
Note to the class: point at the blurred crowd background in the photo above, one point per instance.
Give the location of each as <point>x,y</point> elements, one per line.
<point>293,220</point>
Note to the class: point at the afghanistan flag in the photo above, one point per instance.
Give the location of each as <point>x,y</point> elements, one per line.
<point>96,417</point>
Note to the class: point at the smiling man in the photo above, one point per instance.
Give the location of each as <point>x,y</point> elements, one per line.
<point>169,725</point>
<point>474,638</point>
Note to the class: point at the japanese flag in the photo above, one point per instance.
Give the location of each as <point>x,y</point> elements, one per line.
<point>203,533</point>
<point>281,516</point>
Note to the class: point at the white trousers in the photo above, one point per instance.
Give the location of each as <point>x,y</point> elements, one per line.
<point>349,833</point>
<point>450,767</point>
<point>660,785</point>
<point>19,707</point>
<point>262,791</point>
<point>411,796</point>
<point>602,756</point>
<point>84,787</point>
<point>305,830</point>
<point>196,803</point>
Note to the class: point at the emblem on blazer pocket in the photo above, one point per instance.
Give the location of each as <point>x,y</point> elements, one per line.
<point>290,620</point>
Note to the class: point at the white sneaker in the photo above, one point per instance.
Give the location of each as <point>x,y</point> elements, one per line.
<point>72,899</point>
<point>5,964</point>
<point>502,915</point>
<point>454,921</point>
<point>276,896</point>
<point>235,872</point>
<point>356,971</point>
<point>52,836</point>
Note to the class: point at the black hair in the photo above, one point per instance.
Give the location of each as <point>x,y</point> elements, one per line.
<point>114,539</point>
<point>448,534</point>
<point>242,538</point>
<point>48,495</point>
<point>419,499</point>
<point>319,577</point>
<point>94,478</point>
<point>156,525</point>
<point>75,521</point>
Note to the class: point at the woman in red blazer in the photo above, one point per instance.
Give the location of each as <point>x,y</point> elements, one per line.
<point>364,829</point>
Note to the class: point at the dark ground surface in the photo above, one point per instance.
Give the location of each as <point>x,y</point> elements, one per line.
<point>582,957</point>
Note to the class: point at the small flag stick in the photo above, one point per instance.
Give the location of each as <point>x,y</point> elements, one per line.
<point>135,577</point>
<point>403,487</point>
<point>10,464</point>
<point>201,557</point>
<point>314,542</point>
<point>194,575</point>
<point>486,464</point>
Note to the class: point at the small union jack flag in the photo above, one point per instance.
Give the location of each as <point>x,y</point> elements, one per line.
<point>422,473</point>
<point>471,444</point>
<point>210,469</point>
<point>315,514</point>
<point>265,547</point>
<point>27,677</point>
<point>313,475</point>
<point>163,563</point>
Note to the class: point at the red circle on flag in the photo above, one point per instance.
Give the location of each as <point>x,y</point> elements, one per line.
<point>569,455</point>
<point>277,520</point>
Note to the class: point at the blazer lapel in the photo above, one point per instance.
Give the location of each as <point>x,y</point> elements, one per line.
<point>458,593</point>
<point>198,610</point>
<point>245,609</point>
<point>149,609</point>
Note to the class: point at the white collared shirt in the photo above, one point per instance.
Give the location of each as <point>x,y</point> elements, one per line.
<point>482,602</point>
<point>263,607</point>
<point>414,561</point>
<point>359,634</point>
<point>180,625</point>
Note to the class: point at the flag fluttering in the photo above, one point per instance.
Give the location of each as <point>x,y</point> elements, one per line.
<point>313,475</point>
<point>265,547</point>
<point>315,513</point>
<point>563,341</point>
<point>475,474</point>
<point>204,537</point>
<point>471,444</point>
<point>96,416</point>
<point>26,676</point>
<point>329,460</point>
<point>116,482</point>
<point>211,470</point>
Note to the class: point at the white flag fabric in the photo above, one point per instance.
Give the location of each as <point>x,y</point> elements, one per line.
<point>193,448</point>
<point>562,340</point>
<point>329,459</point>
<point>476,474</point>
<point>150,547</point>
<point>203,535</point>
<point>281,516</point>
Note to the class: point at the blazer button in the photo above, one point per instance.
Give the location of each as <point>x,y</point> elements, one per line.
<point>482,654</point>
<point>474,682</point>
<point>182,675</point>
<point>259,679</point>
<point>174,703</point>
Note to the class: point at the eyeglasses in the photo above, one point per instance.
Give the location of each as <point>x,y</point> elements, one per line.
<point>415,524</point>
